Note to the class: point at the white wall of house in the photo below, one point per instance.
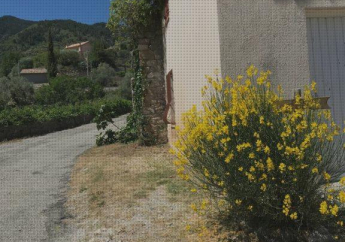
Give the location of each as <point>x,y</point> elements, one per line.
<point>86,47</point>
<point>272,34</point>
<point>192,50</point>
<point>275,35</point>
<point>232,34</point>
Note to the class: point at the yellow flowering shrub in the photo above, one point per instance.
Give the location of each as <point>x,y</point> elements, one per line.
<point>251,149</point>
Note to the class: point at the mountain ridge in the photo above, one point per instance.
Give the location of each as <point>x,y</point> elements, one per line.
<point>29,37</point>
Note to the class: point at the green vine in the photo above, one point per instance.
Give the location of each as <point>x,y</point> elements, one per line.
<point>133,129</point>
<point>129,19</point>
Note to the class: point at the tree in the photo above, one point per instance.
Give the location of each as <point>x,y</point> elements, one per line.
<point>129,18</point>
<point>9,60</point>
<point>98,49</point>
<point>69,58</point>
<point>26,63</point>
<point>52,63</point>
<point>104,75</point>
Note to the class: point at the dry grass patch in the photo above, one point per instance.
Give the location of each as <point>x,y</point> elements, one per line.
<point>129,193</point>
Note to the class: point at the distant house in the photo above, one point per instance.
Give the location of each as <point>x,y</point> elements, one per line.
<point>38,75</point>
<point>81,47</point>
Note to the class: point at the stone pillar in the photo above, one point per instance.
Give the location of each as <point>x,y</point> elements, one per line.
<point>151,55</point>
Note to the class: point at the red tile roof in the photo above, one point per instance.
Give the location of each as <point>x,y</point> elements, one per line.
<point>34,71</point>
<point>76,45</point>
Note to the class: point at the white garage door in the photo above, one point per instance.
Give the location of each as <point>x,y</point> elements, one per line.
<point>326,40</point>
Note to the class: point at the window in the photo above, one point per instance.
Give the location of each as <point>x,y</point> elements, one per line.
<point>169,113</point>
<point>166,12</point>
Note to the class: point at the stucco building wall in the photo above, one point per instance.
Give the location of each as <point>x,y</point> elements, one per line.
<point>271,34</point>
<point>192,50</point>
<point>232,34</point>
<point>36,77</point>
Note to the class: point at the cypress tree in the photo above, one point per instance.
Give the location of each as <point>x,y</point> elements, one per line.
<point>52,65</point>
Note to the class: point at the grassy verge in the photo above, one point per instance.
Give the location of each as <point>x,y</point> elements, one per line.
<point>129,193</point>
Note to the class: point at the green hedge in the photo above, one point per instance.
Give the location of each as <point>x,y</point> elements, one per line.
<point>41,114</point>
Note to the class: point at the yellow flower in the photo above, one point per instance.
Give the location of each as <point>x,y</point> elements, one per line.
<point>341,223</point>
<point>204,204</point>
<point>313,86</point>
<point>206,173</point>
<point>249,176</point>
<point>250,208</point>
<point>229,158</point>
<point>251,156</point>
<point>342,196</point>
<point>252,169</point>
<point>193,190</point>
<point>326,176</point>
<point>334,210</point>
<point>188,227</point>
<point>342,181</point>
<point>324,208</point>
<point>251,71</point>
<point>238,201</point>
<point>282,167</point>
<point>279,146</point>
<point>319,158</point>
<point>293,216</point>
<point>263,187</point>
<point>315,170</point>
<point>267,150</point>
<point>263,177</point>
<point>240,168</point>
<point>193,206</point>
<point>270,165</point>
<point>243,146</point>
<point>262,120</point>
<point>286,211</point>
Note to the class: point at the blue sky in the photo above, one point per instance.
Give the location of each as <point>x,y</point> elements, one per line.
<point>84,11</point>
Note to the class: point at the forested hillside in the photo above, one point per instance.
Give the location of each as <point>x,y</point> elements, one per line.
<point>29,38</point>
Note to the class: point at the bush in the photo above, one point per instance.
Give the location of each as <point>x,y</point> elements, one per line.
<point>269,164</point>
<point>9,60</point>
<point>15,91</point>
<point>41,59</point>
<point>125,88</point>
<point>41,114</point>
<point>26,63</point>
<point>129,133</point>
<point>69,58</point>
<point>68,90</point>
<point>104,75</point>
<point>104,119</point>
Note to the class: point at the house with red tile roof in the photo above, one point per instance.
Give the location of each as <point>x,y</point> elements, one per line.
<point>81,47</point>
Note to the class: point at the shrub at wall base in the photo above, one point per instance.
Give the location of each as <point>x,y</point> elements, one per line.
<point>268,165</point>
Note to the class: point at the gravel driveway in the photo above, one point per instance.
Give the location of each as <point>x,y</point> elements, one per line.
<point>34,175</point>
